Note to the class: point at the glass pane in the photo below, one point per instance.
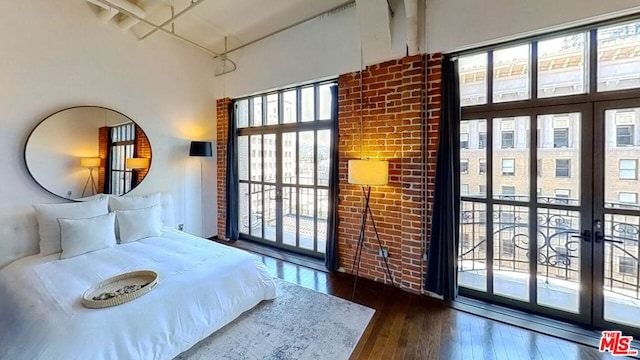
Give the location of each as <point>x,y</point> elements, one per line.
<point>289,112</point>
<point>272,109</point>
<point>325,102</point>
<point>305,158</point>
<point>256,157</point>
<point>257,111</point>
<point>289,156</point>
<point>511,158</point>
<point>308,104</point>
<point>323,155</point>
<point>558,275</point>
<point>289,215</point>
<point>256,210</point>
<point>243,157</point>
<point>242,113</point>
<point>622,152</point>
<point>307,208</point>
<point>472,253</point>
<point>511,74</point>
<point>269,153</point>
<point>270,213</point>
<point>323,213</point>
<point>618,57</point>
<point>511,251</point>
<point>243,213</point>
<point>472,72</point>
<point>561,69</point>
<point>621,269</point>
<point>473,157</point>
<point>558,158</point>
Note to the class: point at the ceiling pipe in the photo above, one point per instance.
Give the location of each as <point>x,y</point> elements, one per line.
<point>173,18</point>
<point>142,20</point>
<point>411,10</point>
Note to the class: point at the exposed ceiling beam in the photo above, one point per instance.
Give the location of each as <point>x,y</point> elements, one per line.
<point>173,18</point>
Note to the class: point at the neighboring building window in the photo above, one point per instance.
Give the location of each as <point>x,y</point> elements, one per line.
<point>464,166</point>
<point>507,138</point>
<point>464,189</point>
<point>482,140</point>
<point>464,140</point>
<point>563,168</point>
<point>507,248</point>
<point>628,169</point>
<point>562,196</point>
<point>561,138</point>
<point>508,167</point>
<point>627,266</point>
<point>624,135</point>
<point>508,192</point>
<point>628,198</point>
<point>482,166</point>
<point>482,189</point>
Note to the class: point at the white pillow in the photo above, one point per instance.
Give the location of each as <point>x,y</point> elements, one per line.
<point>80,236</point>
<point>48,215</point>
<point>137,224</point>
<point>133,202</point>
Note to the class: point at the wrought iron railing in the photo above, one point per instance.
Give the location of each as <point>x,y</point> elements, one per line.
<point>557,244</point>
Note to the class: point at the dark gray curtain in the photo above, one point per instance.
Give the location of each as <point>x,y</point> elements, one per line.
<point>331,251</point>
<point>441,277</point>
<point>231,197</point>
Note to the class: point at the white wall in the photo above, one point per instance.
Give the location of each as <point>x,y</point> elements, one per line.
<point>459,24</point>
<point>320,48</point>
<point>57,54</point>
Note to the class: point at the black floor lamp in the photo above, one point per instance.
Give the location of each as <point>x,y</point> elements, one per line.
<point>366,173</point>
<point>201,149</point>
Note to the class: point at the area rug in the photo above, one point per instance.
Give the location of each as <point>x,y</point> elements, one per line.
<point>299,324</point>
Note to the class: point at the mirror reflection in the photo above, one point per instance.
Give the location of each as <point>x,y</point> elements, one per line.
<point>83,151</point>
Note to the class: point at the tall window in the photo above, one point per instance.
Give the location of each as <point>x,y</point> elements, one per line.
<point>284,157</point>
<point>123,139</point>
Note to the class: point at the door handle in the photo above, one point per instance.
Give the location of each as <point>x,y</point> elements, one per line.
<point>600,238</point>
<point>585,235</point>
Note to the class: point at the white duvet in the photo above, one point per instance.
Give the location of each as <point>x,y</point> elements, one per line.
<point>202,286</point>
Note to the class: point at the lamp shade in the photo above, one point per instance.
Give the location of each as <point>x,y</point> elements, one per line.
<point>136,163</point>
<point>368,172</point>
<point>200,148</point>
<point>90,162</point>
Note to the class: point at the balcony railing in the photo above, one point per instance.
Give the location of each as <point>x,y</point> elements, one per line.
<point>557,245</point>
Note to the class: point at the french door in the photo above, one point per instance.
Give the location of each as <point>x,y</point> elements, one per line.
<point>550,214</point>
<point>284,157</point>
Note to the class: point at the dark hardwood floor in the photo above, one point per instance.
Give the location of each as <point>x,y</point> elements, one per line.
<point>407,326</point>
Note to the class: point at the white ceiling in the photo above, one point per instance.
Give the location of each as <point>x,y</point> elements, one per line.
<point>242,21</point>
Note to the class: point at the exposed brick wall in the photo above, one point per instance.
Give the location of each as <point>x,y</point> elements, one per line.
<point>143,150</point>
<point>221,147</point>
<point>393,129</point>
<point>401,109</point>
<point>434,92</point>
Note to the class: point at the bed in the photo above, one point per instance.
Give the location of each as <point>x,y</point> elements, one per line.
<point>202,286</point>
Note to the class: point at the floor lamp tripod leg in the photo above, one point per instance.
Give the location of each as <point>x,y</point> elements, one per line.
<point>386,262</point>
<point>363,228</point>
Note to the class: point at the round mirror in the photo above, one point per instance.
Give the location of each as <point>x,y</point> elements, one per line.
<point>87,150</point>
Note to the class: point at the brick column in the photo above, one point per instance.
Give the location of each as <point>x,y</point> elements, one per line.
<point>222,129</point>
<point>393,130</point>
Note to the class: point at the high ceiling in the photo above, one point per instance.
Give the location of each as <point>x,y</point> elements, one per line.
<point>208,22</point>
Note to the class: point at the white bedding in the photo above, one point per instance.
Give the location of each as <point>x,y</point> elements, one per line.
<point>202,286</point>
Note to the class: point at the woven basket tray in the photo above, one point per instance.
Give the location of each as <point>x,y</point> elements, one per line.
<point>120,289</point>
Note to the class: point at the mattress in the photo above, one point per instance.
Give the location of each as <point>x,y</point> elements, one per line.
<point>202,286</point>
